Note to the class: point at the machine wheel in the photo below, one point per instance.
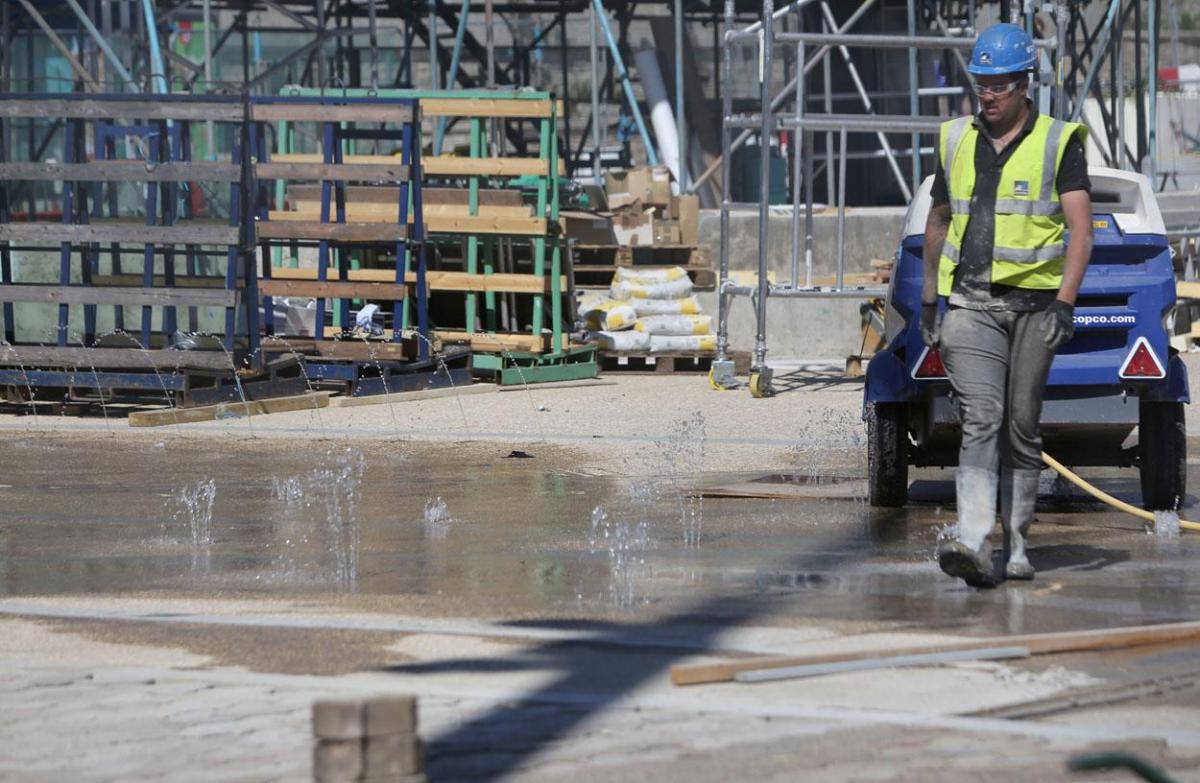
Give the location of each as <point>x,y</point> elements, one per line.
<point>887,454</point>
<point>1162,443</point>
<point>760,386</point>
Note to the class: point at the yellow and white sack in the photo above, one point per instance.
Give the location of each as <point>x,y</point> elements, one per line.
<point>625,274</point>
<point>621,341</point>
<point>679,344</point>
<point>674,325</point>
<point>687,306</point>
<point>673,289</point>
<point>608,315</point>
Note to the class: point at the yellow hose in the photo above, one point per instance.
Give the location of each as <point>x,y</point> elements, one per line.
<point>1120,505</point>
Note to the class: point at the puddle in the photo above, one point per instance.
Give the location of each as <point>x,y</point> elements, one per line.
<point>460,529</point>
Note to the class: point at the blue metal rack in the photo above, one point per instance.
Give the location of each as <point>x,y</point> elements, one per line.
<point>92,226</point>
<point>351,360</point>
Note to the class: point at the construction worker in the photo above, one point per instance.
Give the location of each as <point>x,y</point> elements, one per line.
<point>1008,182</point>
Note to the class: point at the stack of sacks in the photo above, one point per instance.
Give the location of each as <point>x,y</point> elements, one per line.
<point>665,314</point>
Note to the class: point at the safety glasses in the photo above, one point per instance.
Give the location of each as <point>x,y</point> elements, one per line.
<point>998,90</point>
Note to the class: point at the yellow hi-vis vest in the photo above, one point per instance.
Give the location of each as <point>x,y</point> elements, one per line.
<point>1028,250</point>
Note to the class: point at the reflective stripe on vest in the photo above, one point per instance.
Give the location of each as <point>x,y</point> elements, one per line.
<point>1028,248</point>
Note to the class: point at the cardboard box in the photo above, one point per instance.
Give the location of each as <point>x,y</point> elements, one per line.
<point>666,232</point>
<point>643,183</point>
<point>632,229</point>
<point>660,187</point>
<point>637,182</point>
<point>597,200</point>
<point>588,228</point>
<point>688,207</point>
<point>618,201</point>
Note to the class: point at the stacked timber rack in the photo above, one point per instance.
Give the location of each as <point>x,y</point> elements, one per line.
<point>79,317</point>
<point>368,238</point>
<point>498,236</point>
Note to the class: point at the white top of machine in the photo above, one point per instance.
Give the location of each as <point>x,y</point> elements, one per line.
<point>1126,195</point>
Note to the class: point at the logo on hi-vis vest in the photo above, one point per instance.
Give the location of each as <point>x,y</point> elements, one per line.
<point>1021,188</point>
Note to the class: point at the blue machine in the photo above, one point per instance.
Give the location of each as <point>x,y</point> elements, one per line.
<point>1118,373</point>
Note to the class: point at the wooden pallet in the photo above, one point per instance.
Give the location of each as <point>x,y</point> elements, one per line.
<point>595,265</point>
<point>665,363</point>
<point>644,255</point>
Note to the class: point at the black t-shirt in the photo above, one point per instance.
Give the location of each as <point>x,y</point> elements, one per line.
<point>973,287</point>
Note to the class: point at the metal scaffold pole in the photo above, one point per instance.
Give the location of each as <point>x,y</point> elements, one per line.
<point>760,375</point>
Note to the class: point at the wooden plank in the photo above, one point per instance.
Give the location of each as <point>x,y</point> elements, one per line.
<point>182,234</point>
<point>479,341</point>
<point>412,396</point>
<point>387,170</point>
<point>490,107</point>
<point>440,165</point>
<point>129,296</point>
<point>331,289</point>
<point>92,109</point>
<point>316,112</point>
<point>388,213</point>
<point>444,224</point>
<point>160,281</point>
<point>450,166</point>
<point>113,358</point>
<point>224,410</point>
<point>884,661</point>
<point>1038,644</point>
<point>1187,289</point>
<point>435,280</point>
<point>493,343</point>
<point>285,228</point>
<point>350,350</point>
<point>390,194</point>
<point>121,171</point>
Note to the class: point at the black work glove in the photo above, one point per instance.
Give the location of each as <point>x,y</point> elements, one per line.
<point>1058,324</point>
<point>931,324</point>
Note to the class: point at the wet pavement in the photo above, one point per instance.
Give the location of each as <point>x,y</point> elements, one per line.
<point>483,531</point>
<point>535,604</point>
<point>469,530</point>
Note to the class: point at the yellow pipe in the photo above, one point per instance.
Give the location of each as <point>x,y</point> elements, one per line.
<point>1120,505</point>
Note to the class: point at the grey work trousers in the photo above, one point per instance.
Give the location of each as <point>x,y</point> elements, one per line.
<point>998,362</point>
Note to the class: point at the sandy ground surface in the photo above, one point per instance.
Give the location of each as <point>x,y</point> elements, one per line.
<point>148,634</point>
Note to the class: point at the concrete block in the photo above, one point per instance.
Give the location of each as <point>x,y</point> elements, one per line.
<point>391,715</point>
<point>336,761</point>
<point>338,719</point>
<point>392,754</point>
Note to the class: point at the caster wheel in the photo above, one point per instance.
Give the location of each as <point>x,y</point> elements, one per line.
<point>760,385</point>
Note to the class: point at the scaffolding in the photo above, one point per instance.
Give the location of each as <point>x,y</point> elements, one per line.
<point>1067,78</point>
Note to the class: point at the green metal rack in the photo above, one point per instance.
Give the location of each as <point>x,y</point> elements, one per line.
<point>538,351</point>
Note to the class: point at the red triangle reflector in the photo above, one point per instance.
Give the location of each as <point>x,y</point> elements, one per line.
<point>1141,362</point>
<point>930,365</point>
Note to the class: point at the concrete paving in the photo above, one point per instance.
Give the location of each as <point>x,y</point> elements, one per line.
<point>173,601</point>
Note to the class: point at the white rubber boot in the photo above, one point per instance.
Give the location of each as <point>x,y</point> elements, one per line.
<point>970,557</point>
<point>1018,495</point>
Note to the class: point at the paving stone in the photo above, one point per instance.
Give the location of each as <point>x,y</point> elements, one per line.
<point>391,715</point>
<point>392,754</point>
<point>337,719</point>
<point>335,761</point>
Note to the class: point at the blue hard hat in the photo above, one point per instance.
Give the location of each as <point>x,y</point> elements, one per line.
<point>1002,48</point>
